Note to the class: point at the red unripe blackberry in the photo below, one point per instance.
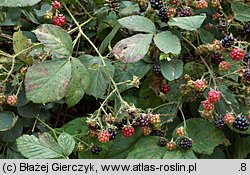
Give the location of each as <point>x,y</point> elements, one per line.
<point>180,131</point>
<point>237,54</point>
<point>103,136</point>
<point>165,88</point>
<point>154,118</point>
<point>229,119</point>
<point>12,100</point>
<point>56,5</point>
<point>146,130</point>
<point>185,143</point>
<point>171,146</point>
<point>201,4</point>
<point>59,20</point>
<point>128,131</point>
<point>224,66</point>
<point>200,85</point>
<point>207,105</point>
<point>213,96</point>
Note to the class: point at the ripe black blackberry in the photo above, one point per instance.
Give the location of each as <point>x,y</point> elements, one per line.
<point>185,12</point>
<point>246,74</point>
<point>143,120</point>
<point>156,4</point>
<point>227,41</point>
<point>157,133</point>
<point>216,58</point>
<point>143,8</point>
<point>162,13</point>
<point>185,143</point>
<point>247,57</point>
<point>246,28</point>
<point>241,123</point>
<point>113,133</point>
<point>95,150</point>
<point>121,124</point>
<point>222,26</point>
<point>162,141</point>
<point>219,123</point>
<point>157,68</point>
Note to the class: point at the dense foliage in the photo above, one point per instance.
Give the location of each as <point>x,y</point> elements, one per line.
<point>125,79</point>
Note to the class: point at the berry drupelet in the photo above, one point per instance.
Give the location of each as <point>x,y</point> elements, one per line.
<point>227,41</point>
<point>241,123</point>
<point>185,143</point>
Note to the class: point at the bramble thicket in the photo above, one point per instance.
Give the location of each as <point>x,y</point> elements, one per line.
<point>152,79</point>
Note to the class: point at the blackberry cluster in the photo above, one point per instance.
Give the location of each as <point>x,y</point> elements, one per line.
<point>185,143</point>
<point>227,41</point>
<point>246,28</point>
<point>241,123</point>
<point>157,68</point>
<point>113,133</point>
<point>219,123</point>
<point>247,57</point>
<point>216,58</point>
<point>95,150</point>
<point>162,13</point>
<point>157,133</point>
<point>185,12</point>
<point>246,74</point>
<point>162,141</point>
<point>156,4</point>
<point>143,120</point>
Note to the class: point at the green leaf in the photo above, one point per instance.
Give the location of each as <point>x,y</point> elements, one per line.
<point>179,154</point>
<point>18,3</point>
<point>188,23</point>
<point>108,38</point>
<point>206,36</point>
<point>124,72</point>
<point>227,101</point>
<point>29,110</point>
<point>55,39</point>
<point>147,148</point>
<point>172,70</point>
<point>204,142</point>
<point>67,143</point>
<point>13,133</point>
<point>75,127</point>
<point>194,69</point>
<point>138,24</point>
<point>132,49</point>
<point>169,109</point>
<point>168,43</point>
<point>12,16</point>
<point>241,148</point>
<point>7,120</point>
<point>241,10</point>
<point>47,81</point>
<point>21,43</point>
<point>44,147</point>
<point>78,82</point>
